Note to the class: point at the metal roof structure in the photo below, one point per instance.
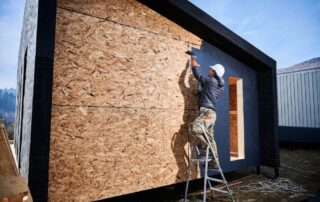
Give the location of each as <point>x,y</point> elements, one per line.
<point>313,63</point>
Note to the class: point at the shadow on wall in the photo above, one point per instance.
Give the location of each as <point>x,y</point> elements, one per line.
<point>181,138</point>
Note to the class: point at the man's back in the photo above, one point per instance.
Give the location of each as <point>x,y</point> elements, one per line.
<point>210,89</point>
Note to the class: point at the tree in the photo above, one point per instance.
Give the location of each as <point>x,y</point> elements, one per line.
<point>10,131</point>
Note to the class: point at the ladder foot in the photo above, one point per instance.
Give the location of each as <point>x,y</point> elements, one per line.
<point>206,159</point>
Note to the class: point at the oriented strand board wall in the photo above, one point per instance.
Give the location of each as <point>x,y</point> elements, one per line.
<point>233,120</point>
<point>122,99</point>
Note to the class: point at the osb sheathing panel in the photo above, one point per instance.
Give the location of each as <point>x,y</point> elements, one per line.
<point>233,134</point>
<point>103,63</point>
<point>233,117</point>
<point>100,152</point>
<point>122,99</point>
<point>131,13</point>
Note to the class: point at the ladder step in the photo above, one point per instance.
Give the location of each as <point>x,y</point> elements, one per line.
<point>220,190</point>
<point>216,180</point>
<point>214,169</point>
<point>201,159</point>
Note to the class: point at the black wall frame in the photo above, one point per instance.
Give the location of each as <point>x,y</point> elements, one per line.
<point>189,17</point>
<point>42,101</point>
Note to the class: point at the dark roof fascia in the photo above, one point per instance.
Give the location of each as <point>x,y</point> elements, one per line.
<point>207,28</point>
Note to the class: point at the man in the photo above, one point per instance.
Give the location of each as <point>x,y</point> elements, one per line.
<point>210,88</point>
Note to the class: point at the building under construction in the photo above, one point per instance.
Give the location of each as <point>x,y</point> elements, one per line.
<point>105,96</point>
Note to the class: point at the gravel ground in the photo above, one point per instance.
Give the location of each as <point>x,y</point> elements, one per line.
<point>299,181</point>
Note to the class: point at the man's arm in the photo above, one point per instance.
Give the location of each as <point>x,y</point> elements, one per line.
<point>196,71</point>
<point>220,80</point>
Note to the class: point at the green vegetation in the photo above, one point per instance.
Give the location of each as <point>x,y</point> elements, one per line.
<point>7,109</point>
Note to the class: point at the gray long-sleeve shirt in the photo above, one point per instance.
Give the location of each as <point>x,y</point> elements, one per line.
<point>210,88</point>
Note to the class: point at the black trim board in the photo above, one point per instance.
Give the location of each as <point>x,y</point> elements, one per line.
<point>42,99</point>
<point>268,118</point>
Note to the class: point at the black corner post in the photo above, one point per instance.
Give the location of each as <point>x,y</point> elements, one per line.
<point>42,100</point>
<point>258,170</point>
<point>276,172</point>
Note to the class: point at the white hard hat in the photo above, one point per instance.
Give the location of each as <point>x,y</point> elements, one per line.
<point>219,69</point>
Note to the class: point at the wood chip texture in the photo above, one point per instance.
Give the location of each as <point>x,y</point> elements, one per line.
<point>122,99</point>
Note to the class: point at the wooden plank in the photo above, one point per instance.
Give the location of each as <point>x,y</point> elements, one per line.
<point>240,119</point>
<point>100,152</point>
<point>13,188</point>
<point>100,63</point>
<point>7,163</point>
<point>233,118</point>
<point>122,99</point>
<point>131,13</point>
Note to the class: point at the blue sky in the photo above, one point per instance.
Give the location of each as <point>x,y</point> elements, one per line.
<point>11,14</point>
<point>286,30</point>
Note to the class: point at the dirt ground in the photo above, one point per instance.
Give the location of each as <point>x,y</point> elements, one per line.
<point>299,181</point>
<point>299,178</point>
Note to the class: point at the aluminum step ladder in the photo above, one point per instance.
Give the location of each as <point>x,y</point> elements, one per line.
<point>207,179</point>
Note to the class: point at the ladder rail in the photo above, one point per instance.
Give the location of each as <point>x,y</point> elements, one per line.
<point>207,179</point>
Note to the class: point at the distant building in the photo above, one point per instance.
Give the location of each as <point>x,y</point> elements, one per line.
<point>299,102</point>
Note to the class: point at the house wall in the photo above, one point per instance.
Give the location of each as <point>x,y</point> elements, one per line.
<point>34,95</point>
<point>33,108</point>
<point>233,118</point>
<point>122,98</point>
<point>208,55</point>
<point>25,86</point>
<point>299,109</point>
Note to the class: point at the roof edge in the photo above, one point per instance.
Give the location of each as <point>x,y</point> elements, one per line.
<point>287,71</point>
<point>195,20</point>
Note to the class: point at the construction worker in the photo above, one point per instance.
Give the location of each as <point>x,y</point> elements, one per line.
<point>210,88</point>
